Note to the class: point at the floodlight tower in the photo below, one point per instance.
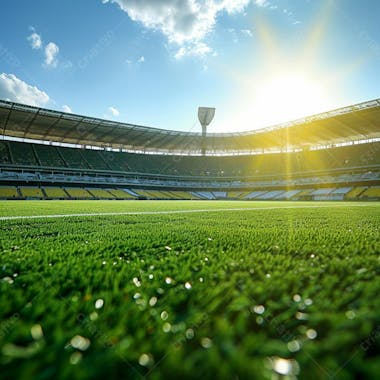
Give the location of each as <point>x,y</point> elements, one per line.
<point>205,116</point>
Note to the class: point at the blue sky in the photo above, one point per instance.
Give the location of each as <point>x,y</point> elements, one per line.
<point>153,62</point>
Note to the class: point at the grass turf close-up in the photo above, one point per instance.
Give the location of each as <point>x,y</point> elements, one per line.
<point>189,289</point>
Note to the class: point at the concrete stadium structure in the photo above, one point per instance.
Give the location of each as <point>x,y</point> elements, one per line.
<point>46,154</point>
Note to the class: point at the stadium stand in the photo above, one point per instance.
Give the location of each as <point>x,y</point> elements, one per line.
<point>4,153</point>
<point>76,193</point>
<point>184,195</point>
<point>286,195</point>
<point>55,193</point>
<point>372,192</point>
<point>95,160</point>
<point>48,155</point>
<point>121,194</point>
<point>32,192</point>
<point>22,154</point>
<point>100,193</point>
<point>302,195</point>
<point>73,158</point>
<point>274,164</point>
<point>115,160</point>
<point>327,160</point>
<point>355,192</point>
<point>270,194</point>
<point>9,192</point>
<point>255,194</point>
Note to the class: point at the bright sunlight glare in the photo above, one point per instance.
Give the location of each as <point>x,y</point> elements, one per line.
<point>287,96</point>
<point>272,98</point>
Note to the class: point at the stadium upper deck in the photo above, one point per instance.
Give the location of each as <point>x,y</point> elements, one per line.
<point>356,122</point>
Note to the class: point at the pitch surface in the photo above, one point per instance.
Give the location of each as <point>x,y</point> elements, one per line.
<point>192,289</point>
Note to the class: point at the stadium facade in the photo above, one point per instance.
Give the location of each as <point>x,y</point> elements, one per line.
<point>46,154</point>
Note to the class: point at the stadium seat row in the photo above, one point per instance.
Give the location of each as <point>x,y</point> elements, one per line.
<point>47,192</point>
<point>342,158</point>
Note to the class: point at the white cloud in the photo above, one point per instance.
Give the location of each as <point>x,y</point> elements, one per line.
<point>66,108</point>
<point>197,49</point>
<point>262,3</point>
<point>16,90</point>
<point>141,59</point>
<point>51,52</point>
<point>35,40</point>
<point>185,23</point>
<point>247,32</point>
<point>114,111</point>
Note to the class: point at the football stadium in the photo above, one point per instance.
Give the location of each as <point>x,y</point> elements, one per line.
<point>137,243</point>
<point>330,156</point>
<point>137,252</point>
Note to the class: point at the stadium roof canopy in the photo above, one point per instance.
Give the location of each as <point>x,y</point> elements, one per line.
<point>357,122</point>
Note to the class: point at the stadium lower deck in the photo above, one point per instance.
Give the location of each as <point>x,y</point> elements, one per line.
<point>333,193</point>
<point>37,171</point>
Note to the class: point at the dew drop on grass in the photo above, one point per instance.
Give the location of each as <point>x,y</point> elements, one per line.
<point>36,332</point>
<point>189,334</point>
<point>136,281</point>
<point>153,301</point>
<point>285,367</point>
<point>259,309</point>
<point>150,277</point>
<point>80,343</point>
<point>350,314</point>
<point>75,358</point>
<point>99,303</point>
<point>94,316</point>
<point>311,334</point>
<point>166,327</point>
<point>146,360</point>
<point>206,342</point>
<point>308,301</point>
<point>168,280</point>
<point>301,316</point>
<point>297,298</point>
<point>168,248</point>
<point>294,346</point>
<point>8,279</point>
<point>187,285</point>
<point>268,275</point>
<point>164,315</point>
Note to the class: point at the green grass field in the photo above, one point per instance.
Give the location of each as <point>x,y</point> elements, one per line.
<point>214,290</point>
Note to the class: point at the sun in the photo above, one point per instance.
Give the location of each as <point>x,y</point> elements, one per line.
<point>286,96</point>
<point>285,85</point>
<point>274,96</point>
